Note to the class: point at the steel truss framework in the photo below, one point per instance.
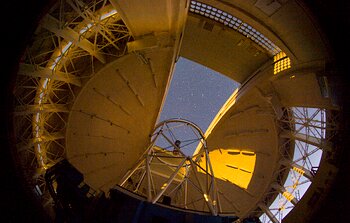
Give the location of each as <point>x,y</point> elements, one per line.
<point>73,43</point>
<point>75,39</point>
<point>166,157</point>
<point>306,133</point>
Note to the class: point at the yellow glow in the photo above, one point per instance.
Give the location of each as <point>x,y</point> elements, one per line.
<point>236,166</point>
<point>108,14</point>
<point>279,56</point>
<point>295,184</point>
<point>298,170</point>
<point>164,185</point>
<point>288,195</point>
<point>282,62</point>
<point>206,197</point>
<point>57,56</point>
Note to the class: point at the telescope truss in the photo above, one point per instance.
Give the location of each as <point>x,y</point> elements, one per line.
<point>168,170</point>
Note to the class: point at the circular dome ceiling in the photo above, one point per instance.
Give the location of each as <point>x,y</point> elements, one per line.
<point>92,84</point>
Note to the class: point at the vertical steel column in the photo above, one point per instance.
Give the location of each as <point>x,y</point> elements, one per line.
<point>171,178</point>
<point>268,212</point>
<point>148,174</point>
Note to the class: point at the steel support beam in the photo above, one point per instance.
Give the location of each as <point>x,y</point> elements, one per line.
<point>43,72</point>
<point>312,140</point>
<point>170,180</point>
<point>268,212</point>
<point>40,108</point>
<point>53,25</point>
<point>148,174</point>
<point>302,170</point>
<point>44,138</point>
<point>285,193</point>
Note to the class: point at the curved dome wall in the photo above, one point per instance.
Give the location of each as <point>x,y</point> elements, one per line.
<point>79,78</point>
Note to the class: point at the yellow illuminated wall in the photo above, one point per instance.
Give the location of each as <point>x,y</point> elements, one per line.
<point>281,62</point>
<point>236,166</point>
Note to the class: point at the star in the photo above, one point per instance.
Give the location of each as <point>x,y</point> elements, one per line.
<point>196,93</point>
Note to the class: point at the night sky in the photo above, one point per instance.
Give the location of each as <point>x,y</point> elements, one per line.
<point>196,93</point>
